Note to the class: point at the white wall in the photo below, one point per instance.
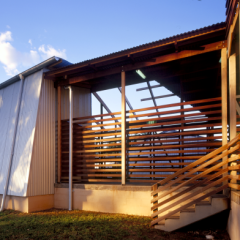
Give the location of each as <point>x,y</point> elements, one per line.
<point>25,135</point>
<point>8,104</point>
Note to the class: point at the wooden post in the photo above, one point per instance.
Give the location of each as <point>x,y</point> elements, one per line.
<point>123,128</point>
<point>224,94</point>
<point>59,135</point>
<point>224,102</point>
<point>232,96</point>
<point>232,104</point>
<point>70,146</point>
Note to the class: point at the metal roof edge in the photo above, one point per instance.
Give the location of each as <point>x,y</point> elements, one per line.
<point>30,71</point>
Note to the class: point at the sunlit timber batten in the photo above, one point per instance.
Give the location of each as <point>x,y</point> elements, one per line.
<point>70,146</point>
<point>123,127</point>
<point>59,134</point>
<point>224,90</point>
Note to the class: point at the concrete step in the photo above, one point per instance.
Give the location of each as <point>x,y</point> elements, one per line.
<point>211,206</point>
<point>203,203</point>
<point>191,209</point>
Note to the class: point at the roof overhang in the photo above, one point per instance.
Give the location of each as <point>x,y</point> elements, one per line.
<point>187,44</point>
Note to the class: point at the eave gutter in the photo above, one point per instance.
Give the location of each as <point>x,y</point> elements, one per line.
<point>30,71</point>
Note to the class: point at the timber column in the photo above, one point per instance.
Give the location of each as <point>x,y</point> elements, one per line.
<point>224,102</point>
<point>59,135</point>
<point>123,128</point>
<point>70,145</point>
<point>233,104</point>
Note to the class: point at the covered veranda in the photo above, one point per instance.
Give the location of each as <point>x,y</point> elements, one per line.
<point>146,145</point>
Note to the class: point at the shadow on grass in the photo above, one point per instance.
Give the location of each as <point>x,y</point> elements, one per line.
<point>61,224</point>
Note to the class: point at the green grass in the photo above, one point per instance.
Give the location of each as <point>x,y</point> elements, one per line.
<point>61,224</point>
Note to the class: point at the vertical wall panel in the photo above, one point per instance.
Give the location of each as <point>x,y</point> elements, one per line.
<point>82,106</point>
<point>25,135</point>
<point>8,106</point>
<point>42,171</point>
<point>81,102</point>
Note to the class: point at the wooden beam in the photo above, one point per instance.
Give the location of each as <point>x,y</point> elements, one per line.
<point>163,96</point>
<point>135,51</point>
<point>230,34</point>
<point>59,134</point>
<point>162,59</point>
<point>123,127</point>
<point>146,88</point>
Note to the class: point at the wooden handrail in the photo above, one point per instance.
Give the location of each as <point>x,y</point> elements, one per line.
<point>185,183</point>
<point>195,200</point>
<point>189,196</point>
<point>205,181</point>
<point>209,176</point>
<point>201,160</point>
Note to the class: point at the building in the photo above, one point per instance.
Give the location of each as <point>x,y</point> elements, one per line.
<point>56,154</point>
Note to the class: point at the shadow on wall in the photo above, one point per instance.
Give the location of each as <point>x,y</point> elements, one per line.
<point>109,201</point>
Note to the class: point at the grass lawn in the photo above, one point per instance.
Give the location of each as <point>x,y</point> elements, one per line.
<point>61,224</point>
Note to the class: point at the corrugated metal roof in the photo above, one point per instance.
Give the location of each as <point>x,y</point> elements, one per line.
<point>159,43</point>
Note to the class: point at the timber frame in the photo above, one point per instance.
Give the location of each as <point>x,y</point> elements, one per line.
<point>192,66</point>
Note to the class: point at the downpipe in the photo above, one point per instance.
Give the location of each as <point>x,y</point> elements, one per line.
<point>70,146</point>
<point>13,143</point>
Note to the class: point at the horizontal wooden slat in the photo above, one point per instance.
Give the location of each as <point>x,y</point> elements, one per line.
<point>194,186</point>
<point>214,144</point>
<point>237,167</point>
<point>98,175</point>
<point>192,140</point>
<point>175,117</point>
<point>151,108</point>
<point>177,203</point>
<point>147,125</point>
<point>152,130</point>
<point>177,104</point>
<point>234,186</point>
<point>162,118</point>
<point>201,161</point>
<point>179,122</point>
<point>235,177</point>
<point>142,153</point>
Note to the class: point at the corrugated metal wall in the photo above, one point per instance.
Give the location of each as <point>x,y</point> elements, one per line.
<point>8,104</point>
<point>82,106</point>
<point>42,171</point>
<point>25,135</point>
<point>81,102</point>
<point>33,165</point>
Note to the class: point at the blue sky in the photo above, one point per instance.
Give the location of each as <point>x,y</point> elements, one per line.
<point>32,31</point>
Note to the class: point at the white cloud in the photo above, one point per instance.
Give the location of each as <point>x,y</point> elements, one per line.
<point>50,51</point>
<point>12,59</point>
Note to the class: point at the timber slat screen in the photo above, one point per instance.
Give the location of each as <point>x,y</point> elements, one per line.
<point>159,143</point>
